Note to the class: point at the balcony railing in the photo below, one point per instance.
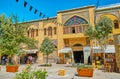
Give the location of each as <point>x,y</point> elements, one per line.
<point>74,29</point>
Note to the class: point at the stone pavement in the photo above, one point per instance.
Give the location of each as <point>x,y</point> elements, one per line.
<point>70,73</point>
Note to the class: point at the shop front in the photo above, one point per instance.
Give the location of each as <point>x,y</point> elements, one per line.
<point>29,56</point>
<point>117,48</point>
<point>66,55</point>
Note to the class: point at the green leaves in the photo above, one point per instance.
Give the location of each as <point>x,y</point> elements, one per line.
<point>12,34</point>
<point>84,66</point>
<point>47,47</point>
<point>28,73</point>
<point>89,32</point>
<point>101,31</point>
<point>39,74</point>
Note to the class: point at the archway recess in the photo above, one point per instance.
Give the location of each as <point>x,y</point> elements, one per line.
<point>114,18</point>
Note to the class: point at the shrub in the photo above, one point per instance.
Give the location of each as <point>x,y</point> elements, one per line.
<point>84,66</point>
<point>28,73</point>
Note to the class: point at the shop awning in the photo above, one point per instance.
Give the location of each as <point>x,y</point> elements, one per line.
<point>97,49</point>
<point>31,51</point>
<point>86,49</point>
<point>110,49</point>
<point>65,50</point>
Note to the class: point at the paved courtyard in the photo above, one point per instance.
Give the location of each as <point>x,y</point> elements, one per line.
<point>70,73</point>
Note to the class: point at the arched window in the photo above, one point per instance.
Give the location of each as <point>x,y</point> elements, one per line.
<point>49,31</point>
<point>32,33</point>
<point>55,30</point>
<point>75,25</point>
<point>75,20</point>
<point>45,31</point>
<point>36,32</point>
<point>116,24</point>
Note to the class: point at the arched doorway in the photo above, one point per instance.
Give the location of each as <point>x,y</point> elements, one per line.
<point>78,53</point>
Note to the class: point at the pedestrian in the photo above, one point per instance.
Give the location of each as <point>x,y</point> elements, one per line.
<point>3,60</point>
<point>89,60</point>
<point>100,59</point>
<point>25,59</point>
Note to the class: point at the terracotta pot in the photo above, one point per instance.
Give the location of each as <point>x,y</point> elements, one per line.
<point>86,72</point>
<point>11,68</point>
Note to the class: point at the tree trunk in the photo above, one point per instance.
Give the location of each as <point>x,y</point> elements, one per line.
<point>47,59</point>
<point>0,58</point>
<point>104,54</point>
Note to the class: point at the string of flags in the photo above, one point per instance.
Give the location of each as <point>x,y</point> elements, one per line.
<point>36,11</point>
<point>25,4</point>
<point>17,0</point>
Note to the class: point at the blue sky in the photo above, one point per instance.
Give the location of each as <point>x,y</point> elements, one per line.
<point>49,8</point>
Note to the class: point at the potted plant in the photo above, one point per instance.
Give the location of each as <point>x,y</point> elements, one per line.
<point>11,68</point>
<point>12,34</point>
<point>85,70</point>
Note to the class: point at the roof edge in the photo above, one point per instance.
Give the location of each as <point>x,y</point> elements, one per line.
<point>62,11</point>
<point>50,18</point>
<point>105,7</point>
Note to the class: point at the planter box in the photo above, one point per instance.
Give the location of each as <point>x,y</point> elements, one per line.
<point>86,72</point>
<point>11,68</point>
<point>61,72</point>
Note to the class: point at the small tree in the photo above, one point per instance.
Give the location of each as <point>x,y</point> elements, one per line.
<point>12,34</point>
<point>47,47</point>
<point>101,32</point>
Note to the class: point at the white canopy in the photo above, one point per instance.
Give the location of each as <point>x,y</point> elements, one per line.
<point>31,51</point>
<point>97,49</point>
<point>110,49</point>
<point>65,50</point>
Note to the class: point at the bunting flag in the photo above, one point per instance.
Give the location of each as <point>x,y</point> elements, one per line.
<point>17,0</point>
<point>25,3</point>
<point>35,11</point>
<point>40,14</point>
<point>30,8</point>
<point>43,16</point>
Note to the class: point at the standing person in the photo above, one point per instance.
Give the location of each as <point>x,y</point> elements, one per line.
<point>30,58</point>
<point>89,60</point>
<point>3,60</point>
<point>25,59</point>
<point>58,60</point>
<point>100,59</point>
